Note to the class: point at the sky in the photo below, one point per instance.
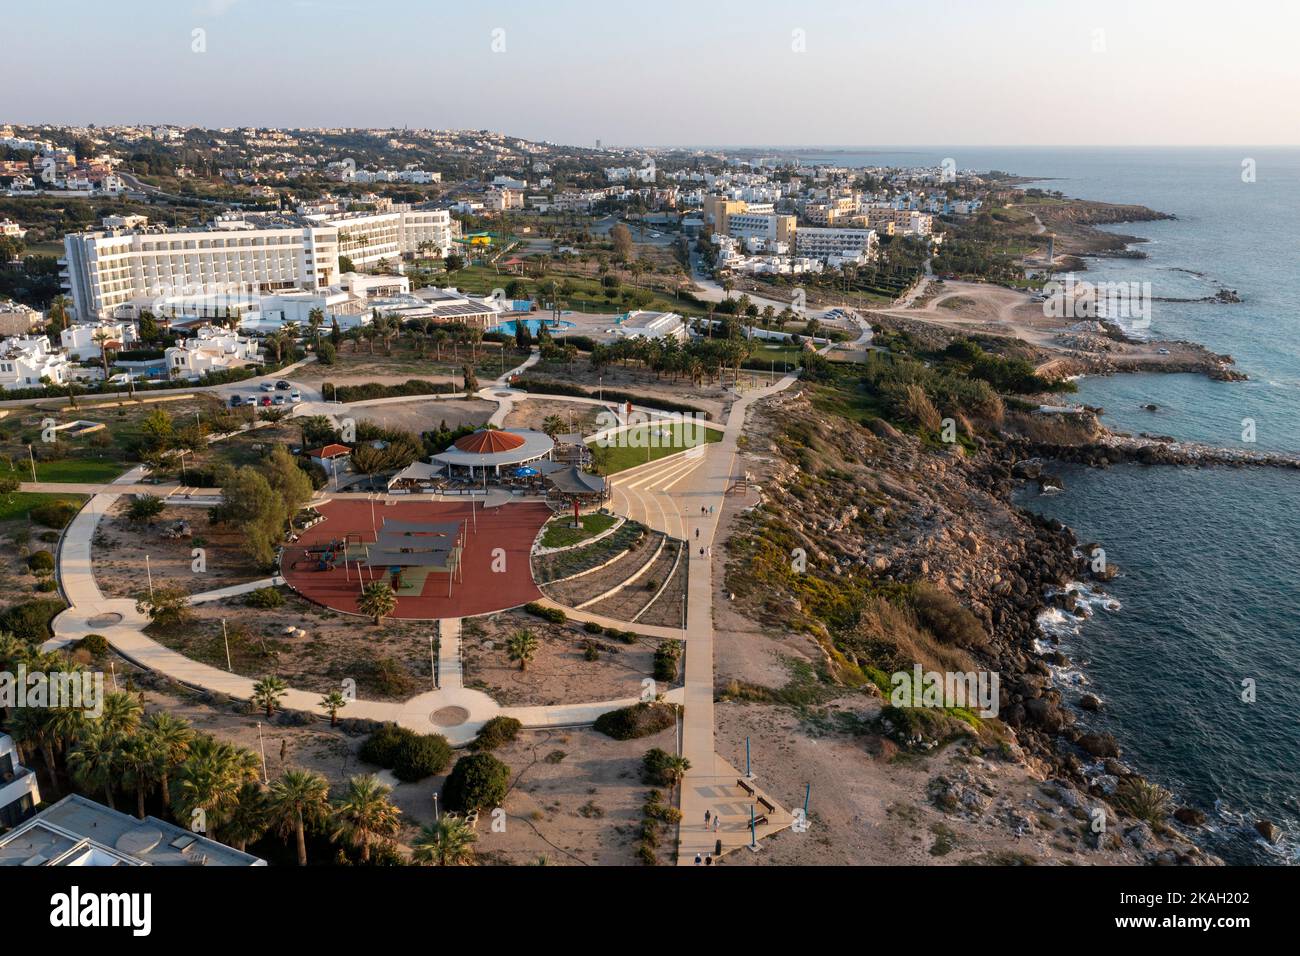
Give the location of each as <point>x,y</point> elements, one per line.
<point>672,72</point>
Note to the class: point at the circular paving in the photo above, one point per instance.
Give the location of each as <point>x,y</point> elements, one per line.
<point>104,620</point>
<point>449,716</point>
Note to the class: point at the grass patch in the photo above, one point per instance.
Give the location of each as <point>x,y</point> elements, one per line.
<point>559,534</point>
<point>88,470</point>
<point>21,503</point>
<point>647,443</point>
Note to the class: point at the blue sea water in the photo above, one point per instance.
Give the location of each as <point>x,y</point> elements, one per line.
<point>1209,591</point>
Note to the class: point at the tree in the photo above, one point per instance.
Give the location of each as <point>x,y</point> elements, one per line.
<point>250,816</point>
<point>208,783</point>
<point>621,237</point>
<point>315,319</point>
<point>478,781</point>
<point>522,647</point>
<point>299,799</point>
<point>453,263</point>
<point>365,815</point>
<point>552,425</point>
<point>377,601</point>
<point>674,769</point>
<point>170,739</point>
<point>471,379</point>
<point>332,703</point>
<point>139,762</point>
<point>267,693</point>
<point>144,508</point>
<point>95,761</point>
<point>448,842</point>
<point>167,607</point>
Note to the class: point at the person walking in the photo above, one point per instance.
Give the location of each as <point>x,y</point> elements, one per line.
<point>697,859</point>
<point>716,820</point>
<point>708,859</point>
<point>707,817</point>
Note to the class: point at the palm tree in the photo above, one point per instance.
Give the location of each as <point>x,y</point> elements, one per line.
<point>332,703</point>
<point>377,601</point>
<point>102,337</point>
<point>121,714</point>
<point>448,842</point>
<point>675,768</point>
<point>267,693</point>
<point>171,738</point>
<point>552,425</point>
<point>249,816</point>
<point>522,647</point>
<point>209,781</point>
<point>364,815</point>
<point>315,319</point>
<point>95,761</point>
<point>139,763</point>
<point>299,799</point>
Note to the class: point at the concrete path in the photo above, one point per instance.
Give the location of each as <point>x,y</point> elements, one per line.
<point>450,673</point>
<point>220,594</point>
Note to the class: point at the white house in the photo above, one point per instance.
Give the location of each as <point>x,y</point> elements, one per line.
<point>25,360</point>
<point>640,324</point>
<point>83,340</point>
<point>211,350</point>
<point>19,793</point>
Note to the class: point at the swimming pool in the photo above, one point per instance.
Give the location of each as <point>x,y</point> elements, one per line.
<point>532,325</point>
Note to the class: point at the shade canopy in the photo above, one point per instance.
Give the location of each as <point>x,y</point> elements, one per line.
<point>489,441</point>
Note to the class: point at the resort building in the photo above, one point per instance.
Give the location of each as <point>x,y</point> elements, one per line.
<point>79,832</point>
<point>251,253</point>
<point>856,245</point>
<point>19,319</point>
<point>640,324</point>
<point>19,793</point>
<point>212,349</point>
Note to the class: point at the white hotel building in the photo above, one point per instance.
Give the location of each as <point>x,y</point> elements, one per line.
<point>857,245</point>
<point>265,253</point>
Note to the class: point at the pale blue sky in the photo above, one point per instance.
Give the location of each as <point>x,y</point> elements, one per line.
<point>1004,72</point>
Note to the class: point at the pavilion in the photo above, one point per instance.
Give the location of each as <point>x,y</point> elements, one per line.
<point>488,450</point>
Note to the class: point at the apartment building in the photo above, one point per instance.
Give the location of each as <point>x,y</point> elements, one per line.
<point>499,200</point>
<point>19,792</point>
<point>770,230</point>
<point>835,244</point>
<point>211,350</point>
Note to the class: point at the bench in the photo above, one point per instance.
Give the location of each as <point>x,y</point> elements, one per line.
<point>760,821</point>
<point>767,805</point>
<point>746,787</point>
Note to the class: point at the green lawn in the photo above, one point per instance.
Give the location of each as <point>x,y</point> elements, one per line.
<point>639,445</point>
<point>20,503</point>
<point>97,470</point>
<point>559,534</point>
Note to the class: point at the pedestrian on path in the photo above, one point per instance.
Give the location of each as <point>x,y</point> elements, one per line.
<point>697,532</point>
<point>697,859</point>
<point>707,817</point>
<point>708,859</point>
<point>716,820</point>
<point>701,552</point>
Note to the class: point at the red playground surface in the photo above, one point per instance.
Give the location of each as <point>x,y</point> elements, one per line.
<point>511,527</point>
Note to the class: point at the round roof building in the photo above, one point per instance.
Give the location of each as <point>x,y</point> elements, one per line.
<point>496,448</point>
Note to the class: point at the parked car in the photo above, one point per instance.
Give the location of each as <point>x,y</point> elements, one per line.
<point>278,400</point>
<point>268,387</point>
<point>283,386</point>
<point>295,396</point>
<point>236,401</point>
<point>266,400</point>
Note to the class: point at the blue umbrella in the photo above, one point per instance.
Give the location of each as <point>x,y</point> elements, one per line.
<point>526,472</point>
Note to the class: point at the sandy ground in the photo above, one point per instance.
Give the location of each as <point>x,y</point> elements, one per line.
<point>120,548</point>
<point>560,672</point>
<point>425,415</point>
<point>533,412</point>
<point>709,397</point>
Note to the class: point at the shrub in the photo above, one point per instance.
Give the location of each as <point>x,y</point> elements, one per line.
<point>417,756</point>
<point>666,657</point>
<point>380,748</point>
<point>264,598</point>
<point>96,644</point>
<point>1143,800</point>
<point>46,585</point>
<point>478,781</point>
<point>497,732</point>
<point>591,653</point>
<point>30,621</point>
<point>55,514</point>
<point>946,618</point>
<point>41,561</point>
<point>639,720</point>
<point>552,614</point>
<point>654,766</point>
<point>591,627</point>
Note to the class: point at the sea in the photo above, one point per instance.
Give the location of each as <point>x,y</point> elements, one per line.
<point>1194,649</point>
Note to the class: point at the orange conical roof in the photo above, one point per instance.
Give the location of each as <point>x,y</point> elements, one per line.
<point>489,441</point>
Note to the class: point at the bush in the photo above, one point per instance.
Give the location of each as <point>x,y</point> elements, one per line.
<point>639,720</point>
<point>46,585</point>
<point>264,598</point>
<point>30,621</point>
<point>478,781</point>
<point>55,514</point>
<point>327,354</point>
<point>95,644</point>
<point>418,756</point>
<point>552,614</point>
<point>666,656</point>
<point>41,561</point>
<point>654,767</point>
<point>591,627</point>
<point>497,732</point>
<point>380,748</point>
<point>945,617</point>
